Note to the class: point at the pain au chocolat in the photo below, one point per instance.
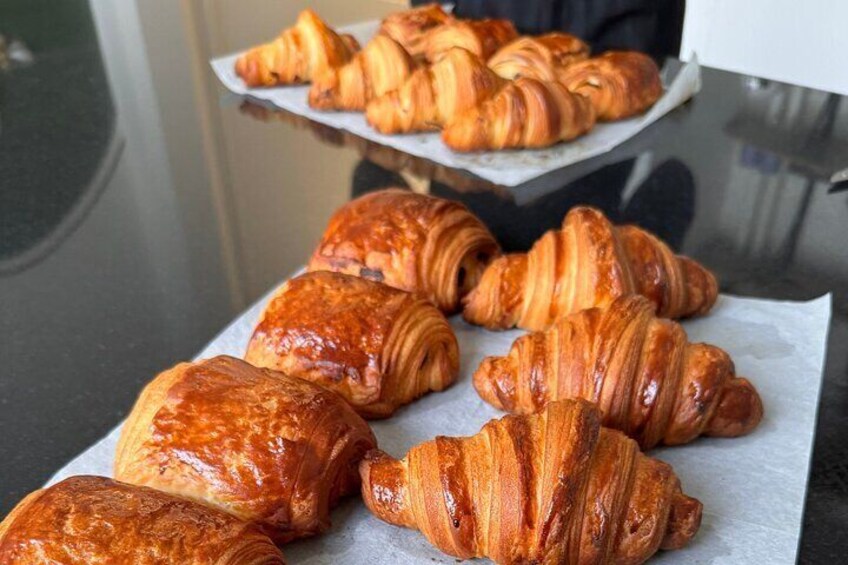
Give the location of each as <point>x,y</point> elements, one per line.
<point>431,247</point>
<point>377,346</point>
<point>265,447</point>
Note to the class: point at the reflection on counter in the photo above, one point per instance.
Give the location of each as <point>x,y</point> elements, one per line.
<point>615,188</point>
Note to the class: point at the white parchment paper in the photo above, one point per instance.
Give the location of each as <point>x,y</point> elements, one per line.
<point>753,488</point>
<point>508,168</point>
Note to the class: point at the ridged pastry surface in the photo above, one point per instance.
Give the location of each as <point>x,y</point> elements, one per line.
<point>552,487</point>
<point>640,370</point>
<point>431,247</point>
<point>588,263</point>
<point>377,346</point>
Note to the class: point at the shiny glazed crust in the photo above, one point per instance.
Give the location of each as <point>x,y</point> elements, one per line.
<point>85,520</point>
<point>266,447</point>
<point>431,247</point>
<point>378,347</point>
<point>620,84</point>
<point>526,113</point>
<point>297,54</point>
<point>434,95</point>
<point>380,67</point>
<point>409,27</point>
<point>480,37</point>
<point>541,57</point>
<point>588,263</point>
<point>641,371</point>
<point>552,487</point>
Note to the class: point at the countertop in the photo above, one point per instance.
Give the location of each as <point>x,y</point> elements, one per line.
<point>142,208</point>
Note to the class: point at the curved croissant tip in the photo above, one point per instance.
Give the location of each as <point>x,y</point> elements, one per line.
<point>486,378</point>
<point>324,90</point>
<point>739,411</point>
<point>684,519</point>
<point>378,109</point>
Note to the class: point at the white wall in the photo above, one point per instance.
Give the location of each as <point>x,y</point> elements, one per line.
<point>802,43</point>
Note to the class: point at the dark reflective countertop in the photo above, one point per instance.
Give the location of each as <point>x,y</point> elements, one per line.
<point>142,207</point>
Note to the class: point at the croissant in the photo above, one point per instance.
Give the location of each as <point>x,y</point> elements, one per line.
<point>378,347</point>
<point>409,27</point>
<point>647,379</point>
<point>552,487</point>
<point>298,54</point>
<point>428,246</point>
<point>268,448</point>
<point>434,95</point>
<point>588,263</point>
<point>619,83</point>
<point>542,57</point>
<point>381,66</point>
<point>524,113</point>
<point>85,520</point>
<point>480,37</point>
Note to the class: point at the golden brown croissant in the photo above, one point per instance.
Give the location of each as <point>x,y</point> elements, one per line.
<point>298,54</point>
<point>85,520</point>
<point>542,57</point>
<point>378,347</point>
<point>480,37</point>
<point>434,95</point>
<point>266,447</point>
<point>619,83</point>
<point>381,66</point>
<point>647,379</point>
<point>524,113</point>
<point>552,487</point>
<point>431,247</point>
<point>409,27</point>
<point>588,263</point>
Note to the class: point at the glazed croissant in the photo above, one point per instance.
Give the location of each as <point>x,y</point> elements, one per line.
<point>524,113</point>
<point>85,520</point>
<point>553,487</point>
<point>588,263</point>
<point>409,27</point>
<point>381,66</point>
<point>619,83</point>
<point>542,57</point>
<point>434,95</point>
<point>480,37</point>
<point>647,379</point>
<point>297,55</point>
<point>266,447</point>
<point>431,247</point>
<point>378,347</point>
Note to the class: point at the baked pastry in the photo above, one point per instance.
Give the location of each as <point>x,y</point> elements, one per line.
<point>409,27</point>
<point>377,346</point>
<point>541,57</point>
<point>620,84</point>
<point>552,487</point>
<point>526,113</point>
<point>85,520</point>
<point>646,378</point>
<point>428,246</point>
<point>588,263</point>
<point>266,447</point>
<point>381,66</point>
<point>480,37</point>
<point>297,54</point>
<point>434,95</point>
